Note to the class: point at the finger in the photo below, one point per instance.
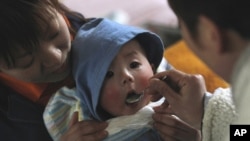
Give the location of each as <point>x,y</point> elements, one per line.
<point>173,78</point>
<point>88,130</point>
<point>174,74</point>
<point>155,97</point>
<point>158,87</point>
<point>98,136</point>
<point>165,108</point>
<point>170,126</point>
<point>185,133</point>
<point>171,121</point>
<point>167,131</point>
<point>167,137</point>
<point>74,119</point>
<point>174,134</point>
<point>90,127</point>
<point>73,126</point>
<point>165,78</point>
<point>161,74</point>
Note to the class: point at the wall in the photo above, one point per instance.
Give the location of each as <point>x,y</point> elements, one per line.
<point>138,12</point>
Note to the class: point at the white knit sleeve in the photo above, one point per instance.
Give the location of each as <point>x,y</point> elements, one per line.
<point>219,113</point>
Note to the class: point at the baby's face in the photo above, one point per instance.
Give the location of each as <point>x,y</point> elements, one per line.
<point>127,76</point>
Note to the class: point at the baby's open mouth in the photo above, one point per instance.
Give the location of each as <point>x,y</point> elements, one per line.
<point>134,97</point>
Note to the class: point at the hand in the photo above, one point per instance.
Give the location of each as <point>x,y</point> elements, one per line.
<point>184,94</point>
<point>172,128</point>
<point>85,130</point>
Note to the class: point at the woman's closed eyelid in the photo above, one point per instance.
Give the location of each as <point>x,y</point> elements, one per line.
<point>54,35</point>
<point>26,65</point>
<point>23,54</point>
<point>24,60</point>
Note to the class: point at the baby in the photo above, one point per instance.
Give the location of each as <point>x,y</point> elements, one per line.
<point>112,64</point>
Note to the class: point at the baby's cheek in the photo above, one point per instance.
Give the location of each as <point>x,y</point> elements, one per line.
<point>109,97</point>
<point>145,80</point>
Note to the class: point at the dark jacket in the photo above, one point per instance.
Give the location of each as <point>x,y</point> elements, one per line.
<point>20,118</point>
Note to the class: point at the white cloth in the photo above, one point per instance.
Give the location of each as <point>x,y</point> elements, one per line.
<point>143,118</point>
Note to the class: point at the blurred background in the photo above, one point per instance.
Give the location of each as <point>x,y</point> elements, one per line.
<point>154,15</point>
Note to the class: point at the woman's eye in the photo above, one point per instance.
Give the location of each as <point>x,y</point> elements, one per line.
<point>24,62</point>
<point>134,65</point>
<point>109,74</point>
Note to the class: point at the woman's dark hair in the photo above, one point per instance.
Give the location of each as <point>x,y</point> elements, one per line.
<point>23,23</point>
<point>227,14</point>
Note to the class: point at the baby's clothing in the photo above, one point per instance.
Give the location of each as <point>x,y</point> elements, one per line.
<point>124,128</point>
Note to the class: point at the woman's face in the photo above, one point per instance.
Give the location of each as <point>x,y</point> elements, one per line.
<point>128,74</point>
<point>211,46</point>
<point>50,62</point>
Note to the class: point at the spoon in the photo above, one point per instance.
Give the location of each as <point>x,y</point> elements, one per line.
<point>134,97</point>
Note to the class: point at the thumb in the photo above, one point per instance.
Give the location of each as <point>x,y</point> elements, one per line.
<point>74,119</point>
<point>164,108</point>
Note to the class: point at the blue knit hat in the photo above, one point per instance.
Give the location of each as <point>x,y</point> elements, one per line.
<point>95,46</point>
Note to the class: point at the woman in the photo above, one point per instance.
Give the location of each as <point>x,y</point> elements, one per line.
<point>34,63</point>
<point>218,32</point>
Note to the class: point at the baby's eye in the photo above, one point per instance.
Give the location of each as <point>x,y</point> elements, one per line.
<point>134,65</point>
<point>109,74</point>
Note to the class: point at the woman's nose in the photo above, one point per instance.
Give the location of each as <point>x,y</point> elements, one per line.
<point>51,57</point>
